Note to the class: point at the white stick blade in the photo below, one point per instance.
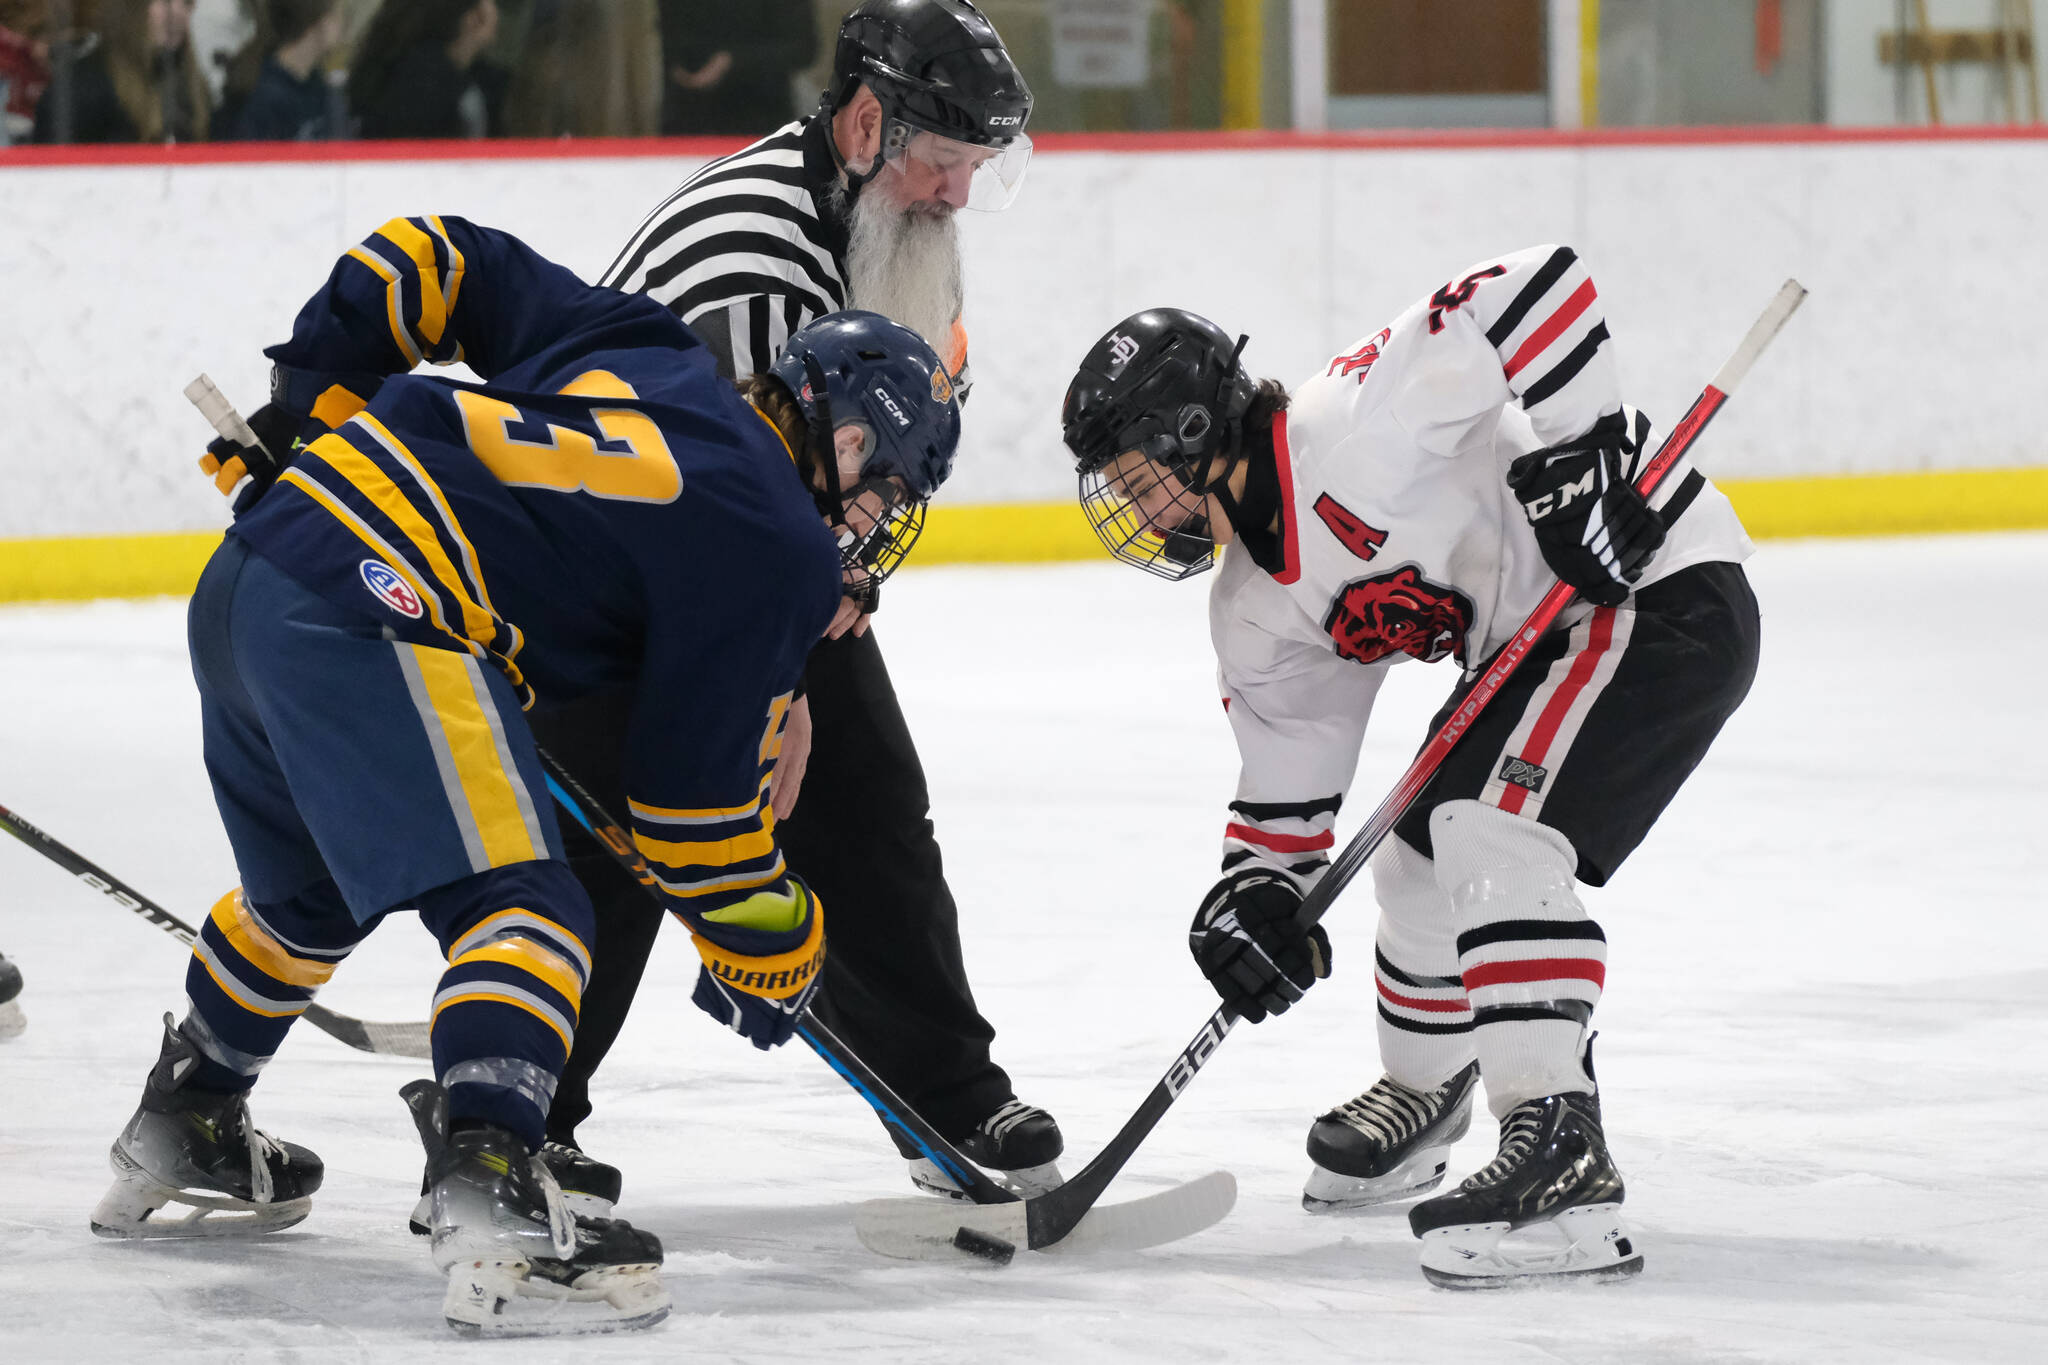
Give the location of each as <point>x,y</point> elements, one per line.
<point>922,1229</point>
<point>1782,305</point>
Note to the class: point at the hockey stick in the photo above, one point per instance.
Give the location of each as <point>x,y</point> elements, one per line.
<point>916,1232</point>
<point>998,1226</point>
<point>398,1040</point>
<point>586,811</point>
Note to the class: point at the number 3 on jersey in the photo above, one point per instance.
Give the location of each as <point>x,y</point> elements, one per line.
<point>631,463</point>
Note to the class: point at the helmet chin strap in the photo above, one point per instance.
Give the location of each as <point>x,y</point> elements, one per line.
<point>824,449</point>
<point>1230,451</point>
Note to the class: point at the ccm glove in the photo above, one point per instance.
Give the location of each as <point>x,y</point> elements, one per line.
<point>762,959</point>
<point>1246,942</point>
<point>281,433</point>
<point>1596,532</point>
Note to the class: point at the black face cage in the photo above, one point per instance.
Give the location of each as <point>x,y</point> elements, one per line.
<point>1173,555</point>
<point>867,558</point>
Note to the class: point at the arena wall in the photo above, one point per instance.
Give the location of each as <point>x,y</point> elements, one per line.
<point>1901,398</point>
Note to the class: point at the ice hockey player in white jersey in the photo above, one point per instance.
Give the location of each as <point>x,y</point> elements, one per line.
<point>1415,500</point>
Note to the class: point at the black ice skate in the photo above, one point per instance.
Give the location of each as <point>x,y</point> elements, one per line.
<point>1548,1206</point>
<point>1019,1144</point>
<point>197,1148</point>
<point>1389,1143</point>
<point>518,1262</point>
<point>11,1020</point>
<point>590,1188</point>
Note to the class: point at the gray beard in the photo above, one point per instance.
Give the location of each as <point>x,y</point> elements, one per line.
<point>905,266</point>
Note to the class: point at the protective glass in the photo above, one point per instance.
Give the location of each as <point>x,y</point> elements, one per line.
<point>993,175</point>
<point>1144,515</point>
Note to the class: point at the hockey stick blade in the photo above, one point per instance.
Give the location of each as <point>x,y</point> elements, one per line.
<point>397,1040</point>
<point>925,1230</point>
<point>579,805</point>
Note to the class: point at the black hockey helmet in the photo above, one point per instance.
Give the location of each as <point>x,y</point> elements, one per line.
<point>860,373</point>
<point>939,68</point>
<point>1166,384</point>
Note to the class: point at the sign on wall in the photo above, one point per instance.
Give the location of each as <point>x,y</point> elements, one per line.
<point>1101,44</point>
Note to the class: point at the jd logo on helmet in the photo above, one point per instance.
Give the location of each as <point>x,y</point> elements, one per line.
<point>1121,349</point>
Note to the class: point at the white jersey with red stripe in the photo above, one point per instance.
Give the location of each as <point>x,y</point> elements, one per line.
<point>1399,536</point>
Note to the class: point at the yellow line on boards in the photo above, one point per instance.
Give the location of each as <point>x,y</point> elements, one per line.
<point>77,568</point>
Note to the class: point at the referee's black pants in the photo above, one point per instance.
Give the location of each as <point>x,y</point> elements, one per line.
<point>895,988</point>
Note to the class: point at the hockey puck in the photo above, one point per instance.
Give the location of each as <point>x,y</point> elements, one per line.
<point>994,1250</point>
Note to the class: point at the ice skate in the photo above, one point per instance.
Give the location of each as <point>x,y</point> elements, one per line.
<point>12,1021</point>
<point>590,1188</point>
<point>1547,1207</point>
<point>518,1262</point>
<point>1389,1143</point>
<point>197,1149</point>
<point>1018,1144</point>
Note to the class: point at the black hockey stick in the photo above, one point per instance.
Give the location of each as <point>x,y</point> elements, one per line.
<point>1053,1215</point>
<point>586,811</point>
<point>397,1040</point>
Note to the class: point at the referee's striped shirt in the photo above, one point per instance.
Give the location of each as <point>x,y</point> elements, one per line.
<point>745,251</point>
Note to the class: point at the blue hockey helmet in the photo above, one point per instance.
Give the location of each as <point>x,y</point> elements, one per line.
<point>872,391</point>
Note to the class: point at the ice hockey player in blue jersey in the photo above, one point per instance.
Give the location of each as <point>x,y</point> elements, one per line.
<point>602,509</point>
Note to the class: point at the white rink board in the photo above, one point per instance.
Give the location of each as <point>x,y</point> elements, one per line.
<point>1820,1039</point>
<point>1917,350</point>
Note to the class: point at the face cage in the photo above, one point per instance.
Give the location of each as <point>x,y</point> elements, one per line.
<point>995,182</point>
<point>867,558</point>
<point>1183,552</point>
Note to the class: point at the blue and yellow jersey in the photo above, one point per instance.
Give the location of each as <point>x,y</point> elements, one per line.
<point>603,510</point>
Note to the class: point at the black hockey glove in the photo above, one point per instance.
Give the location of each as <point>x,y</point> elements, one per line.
<point>1245,941</point>
<point>281,432</point>
<point>1596,532</point>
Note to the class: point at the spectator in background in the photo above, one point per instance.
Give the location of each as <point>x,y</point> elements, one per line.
<point>730,66</point>
<point>133,76</point>
<point>417,71</point>
<point>24,66</point>
<point>277,85</point>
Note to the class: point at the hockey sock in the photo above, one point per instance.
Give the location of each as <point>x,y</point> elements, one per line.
<point>1425,1018</point>
<point>1532,962</point>
<point>253,971</point>
<point>504,1015</point>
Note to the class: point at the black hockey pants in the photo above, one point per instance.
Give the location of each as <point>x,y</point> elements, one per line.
<point>895,987</point>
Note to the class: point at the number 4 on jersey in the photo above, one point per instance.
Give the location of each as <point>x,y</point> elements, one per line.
<point>1350,528</point>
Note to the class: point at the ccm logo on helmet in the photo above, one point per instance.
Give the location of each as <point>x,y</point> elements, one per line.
<point>902,419</point>
<point>1009,121</point>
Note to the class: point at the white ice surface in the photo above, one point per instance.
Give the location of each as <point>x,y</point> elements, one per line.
<point>1822,1044</point>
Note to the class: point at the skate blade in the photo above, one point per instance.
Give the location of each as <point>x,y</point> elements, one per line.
<point>1328,1192</point>
<point>1025,1182</point>
<point>1589,1242</point>
<point>503,1299</point>
<point>134,1207</point>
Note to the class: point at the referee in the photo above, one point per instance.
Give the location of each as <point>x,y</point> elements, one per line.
<point>851,207</point>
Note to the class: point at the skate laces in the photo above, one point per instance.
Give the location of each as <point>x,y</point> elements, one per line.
<point>261,1149</point>
<point>1517,1139</point>
<point>997,1126</point>
<point>561,1226</point>
<point>1391,1113</point>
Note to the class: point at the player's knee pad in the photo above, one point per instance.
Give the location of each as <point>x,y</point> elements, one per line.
<point>1533,964</point>
<point>1425,1018</point>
